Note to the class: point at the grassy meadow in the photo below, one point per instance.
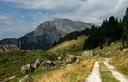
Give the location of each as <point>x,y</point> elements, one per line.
<point>10,62</point>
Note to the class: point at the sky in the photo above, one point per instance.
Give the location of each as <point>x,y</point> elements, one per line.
<point>18,17</point>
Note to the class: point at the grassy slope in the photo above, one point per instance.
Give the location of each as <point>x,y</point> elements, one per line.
<point>68,48</point>
<point>72,73</point>
<point>121,62</point>
<point>118,60</point>
<point>108,50</point>
<point>10,62</point>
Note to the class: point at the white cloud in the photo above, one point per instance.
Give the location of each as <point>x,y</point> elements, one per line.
<point>86,10</point>
<point>93,11</point>
<point>3,17</point>
<point>45,4</point>
<point>120,8</point>
<point>11,26</point>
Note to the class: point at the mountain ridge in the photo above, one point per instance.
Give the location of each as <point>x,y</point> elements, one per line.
<point>46,33</point>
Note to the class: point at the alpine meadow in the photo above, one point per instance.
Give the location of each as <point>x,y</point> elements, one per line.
<point>63,41</point>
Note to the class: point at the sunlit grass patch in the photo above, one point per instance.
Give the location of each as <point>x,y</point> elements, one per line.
<point>70,73</point>
<point>67,46</point>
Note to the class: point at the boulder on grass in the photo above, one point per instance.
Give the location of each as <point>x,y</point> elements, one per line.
<point>70,59</point>
<point>36,64</point>
<point>48,64</point>
<point>27,69</point>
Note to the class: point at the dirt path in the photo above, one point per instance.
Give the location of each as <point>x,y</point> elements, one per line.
<point>119,76</point>
<point>95,75</point>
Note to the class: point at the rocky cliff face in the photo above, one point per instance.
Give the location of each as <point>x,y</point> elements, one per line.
<point>46,33</point>
<point>8,48</point>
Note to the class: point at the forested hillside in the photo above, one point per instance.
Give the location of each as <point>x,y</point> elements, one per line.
<point>110,31</point>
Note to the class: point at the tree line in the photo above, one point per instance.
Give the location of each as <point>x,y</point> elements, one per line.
<point>110,31</point>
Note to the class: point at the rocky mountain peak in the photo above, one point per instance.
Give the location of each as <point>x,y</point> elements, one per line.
<point>48,32</point>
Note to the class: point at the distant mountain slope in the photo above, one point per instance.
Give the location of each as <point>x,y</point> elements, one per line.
<point>9,41</point>
<point>7,48</point>
<point>46,33</point>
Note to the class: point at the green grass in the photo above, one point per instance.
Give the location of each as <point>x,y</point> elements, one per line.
<point>10,62</point>
<point>106,75</point>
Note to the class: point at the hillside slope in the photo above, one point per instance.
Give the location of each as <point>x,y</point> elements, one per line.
<point>120,61</point>
<point>76,72</point>
<point>8,48</point>
<point>71,46</point>
<point>13,60</point>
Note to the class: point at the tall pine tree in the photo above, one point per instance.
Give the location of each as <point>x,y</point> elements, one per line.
<point>125,33</point>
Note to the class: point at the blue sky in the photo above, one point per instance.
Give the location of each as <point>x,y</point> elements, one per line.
<point>18,17</point>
